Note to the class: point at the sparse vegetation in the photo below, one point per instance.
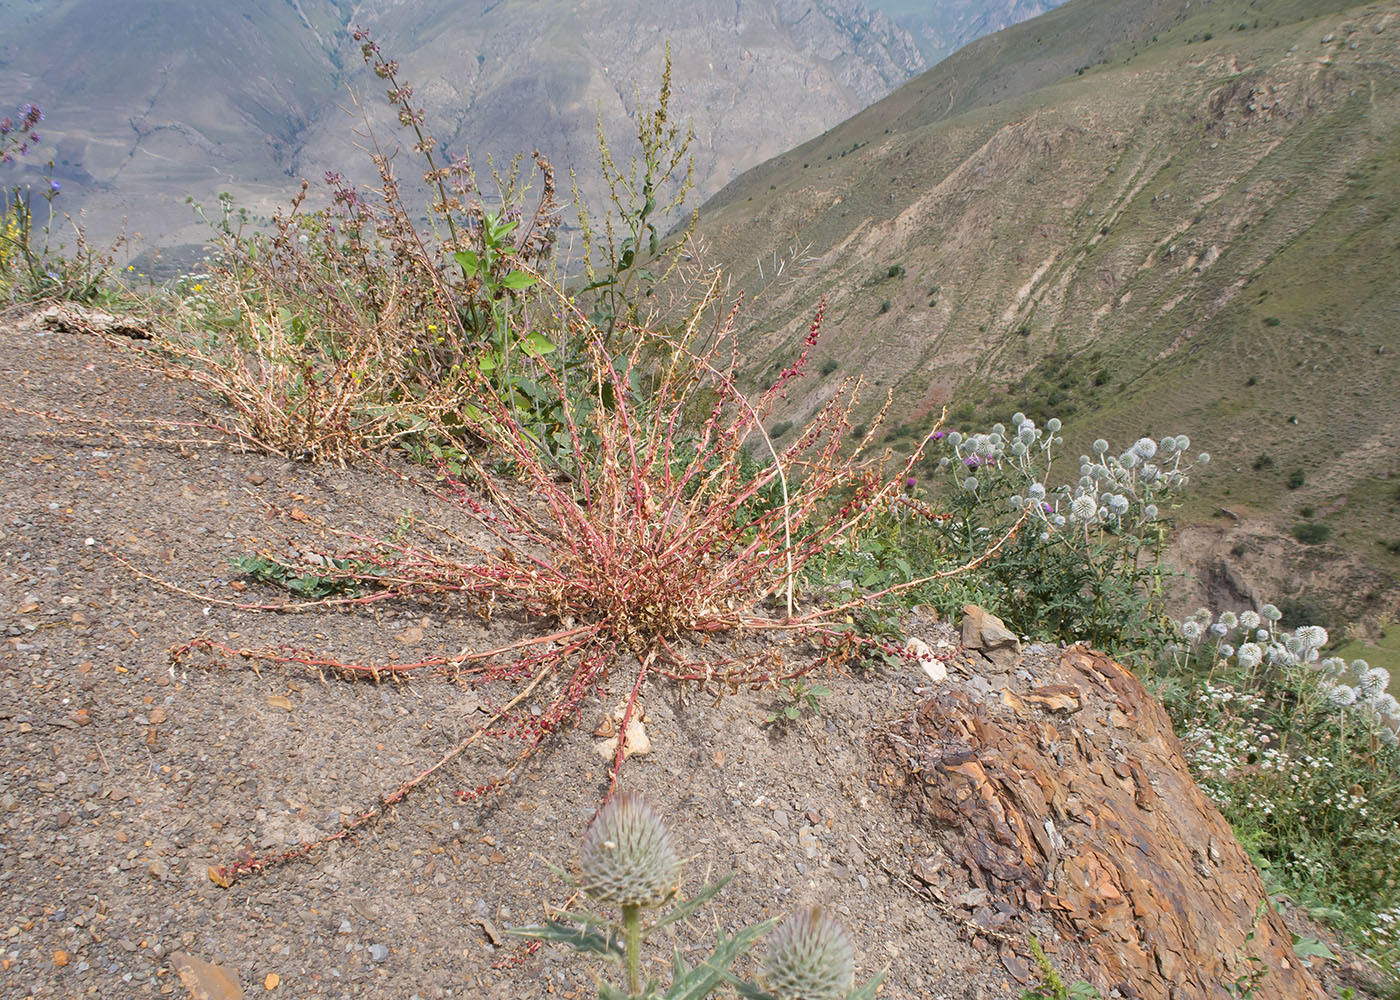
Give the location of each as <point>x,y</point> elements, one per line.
<point>1311,532</point>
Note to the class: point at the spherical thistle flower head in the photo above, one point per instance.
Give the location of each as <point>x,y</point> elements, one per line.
<point>1387,736</point>
<point>954,438</point>
<point>1151,511</point>
<point>1083,508</point>
<point>1101,446</point>
<point>1360,667</point>
<point>1036,491</point>
<point>1145,447</point>
<point>1218,630</point>
<point>1182,442</point>
<point>1342,695</point>
<point>1332,665</point>
<point>1167,445</point>
<point>1191,630</point>
<point>1053,425</point>
<point>1250,655</point>
<point>970,484</point>
<point>1261,634</point>
<point>1249,619</point>
<point>1203,458</point>
<point>1372,684</point>
<point>1225,651</point>
<point>1017,419</point>
<point>1270,613</point>
<point>1387,705</point>
<point>1312,636</point>
<point>1229,619</point>
<point>627,857</point>
<point>809,958</point>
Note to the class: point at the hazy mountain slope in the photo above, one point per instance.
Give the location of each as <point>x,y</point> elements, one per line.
<point>1200,234</point>
<point>151,100</point>
<point>941,29</point>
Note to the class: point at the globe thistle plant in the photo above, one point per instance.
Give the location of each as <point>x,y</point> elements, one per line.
<point>627,859</point>
<point>809,958</point>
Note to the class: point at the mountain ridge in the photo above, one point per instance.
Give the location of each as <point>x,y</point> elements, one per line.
<point>1171,238</point>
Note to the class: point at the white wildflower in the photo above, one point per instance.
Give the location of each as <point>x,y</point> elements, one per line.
<point>1145,447</point>
<point>1101,446</point>
<point>1083,508</point>
<point>1373,682</point>
<point>1249,619</point>
<point>1228,619</point>
<point>1250,655</point>
<point>1191,630</point>
<point>1341,696</point>
<point>1271,613</point>
<point>1053,425</point>
<point>1312,636</point>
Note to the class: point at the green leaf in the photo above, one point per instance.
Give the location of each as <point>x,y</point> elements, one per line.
<point>1311,947</point>
<point>867,992</point>
<point>752,992</point>
<point>579,938</point>
<point>537,345</point>
<point>701,981</point>
<point>518,279</point>
<point>468,261</point>
<point>683,910</point>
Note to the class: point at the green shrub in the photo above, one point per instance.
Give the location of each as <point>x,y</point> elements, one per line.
<point>1296,479</point>
<point>830,365</point>
<point>1311,532</point>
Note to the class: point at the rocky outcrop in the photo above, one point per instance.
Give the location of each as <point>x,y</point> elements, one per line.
<point>1061,797</point>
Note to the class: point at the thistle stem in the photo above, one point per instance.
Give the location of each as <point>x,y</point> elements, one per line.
<point>632,937</point>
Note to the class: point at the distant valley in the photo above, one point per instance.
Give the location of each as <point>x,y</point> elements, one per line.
<point>1143,217</point>
<point>148,104</point>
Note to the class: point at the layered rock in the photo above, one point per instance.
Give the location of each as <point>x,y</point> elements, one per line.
<point>1064,800</point>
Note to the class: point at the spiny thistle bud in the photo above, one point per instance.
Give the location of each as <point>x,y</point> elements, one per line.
<point>809,958</point>
<point>627,857</point>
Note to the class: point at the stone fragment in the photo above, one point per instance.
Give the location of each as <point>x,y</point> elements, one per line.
<point>923,655</point>
<point>1057,697</point>
<point>637,740</point>
<point>987,634</point>
<point>204,980</point>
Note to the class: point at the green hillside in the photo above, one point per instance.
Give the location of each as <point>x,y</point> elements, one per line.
<point>1142,217</point>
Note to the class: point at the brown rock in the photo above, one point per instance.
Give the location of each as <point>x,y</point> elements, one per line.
<point>204,980</point>
<point>987,634</point>
<point>1068,820</point>
<point>1057,697</point>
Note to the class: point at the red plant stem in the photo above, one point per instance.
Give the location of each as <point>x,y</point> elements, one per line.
<point>228,874</point>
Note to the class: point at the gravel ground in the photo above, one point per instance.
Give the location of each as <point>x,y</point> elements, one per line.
<point>127,777</point>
